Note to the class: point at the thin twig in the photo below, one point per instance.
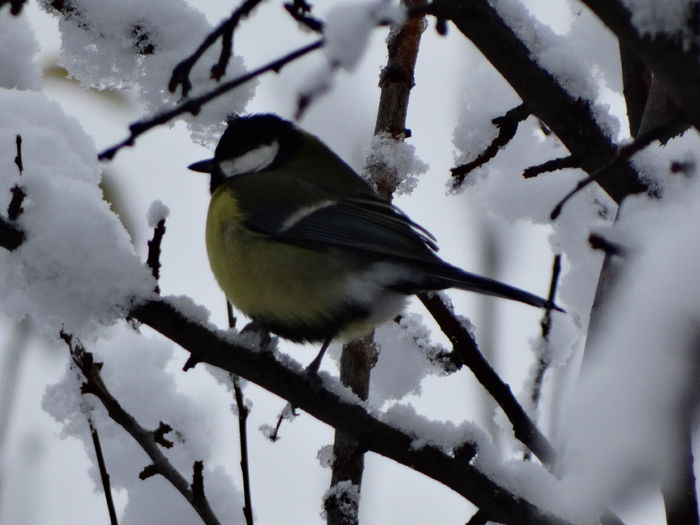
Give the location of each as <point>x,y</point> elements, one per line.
<point>11,236</point>
<point>181,72</point>
<point>551,165</point>
<point>193,105</point>
<point>243,412</point>
<point>14,210</point>
<point>18,157</point>
<point>624,153</point>
<point>15,6</point>
<point>153,259</point>
<point>598,242</point>
<point>544,358</point>
<point>507,127</point>
<point>104,475</point>
<point>75,350</point>
<point>300,11</point>
<point>161,465</point>
<point>524,428</point>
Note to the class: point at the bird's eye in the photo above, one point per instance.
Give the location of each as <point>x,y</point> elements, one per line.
<point>251,161</point>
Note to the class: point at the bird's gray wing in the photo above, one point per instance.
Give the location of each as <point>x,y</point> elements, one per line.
<point>364,223</point>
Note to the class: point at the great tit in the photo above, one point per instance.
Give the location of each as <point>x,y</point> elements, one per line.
<point>302,245</point>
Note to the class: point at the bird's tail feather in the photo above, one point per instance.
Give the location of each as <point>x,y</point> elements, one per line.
<point>448,276</point>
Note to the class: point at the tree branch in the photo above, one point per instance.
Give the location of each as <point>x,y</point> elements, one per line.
<point>243,412</point>
<point>146,439</point>
<point>507,125</point>
<point>341,412</point>
<point>624,153</point>
<point>193,105</point>
<point>672,60</point>
<point>11,236</point>
<point>571,118</point>
<point>524,428</point>
<point>181,72</point>
<point>104,475</point>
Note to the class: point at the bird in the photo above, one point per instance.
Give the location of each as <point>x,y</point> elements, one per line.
<point>303,245</point>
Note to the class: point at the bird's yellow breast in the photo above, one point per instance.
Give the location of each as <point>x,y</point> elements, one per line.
<point>271,282</point>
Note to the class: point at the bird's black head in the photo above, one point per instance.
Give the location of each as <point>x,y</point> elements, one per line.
<point>251,143</point>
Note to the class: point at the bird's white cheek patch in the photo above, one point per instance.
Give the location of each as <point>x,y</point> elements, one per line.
<point>255,160</point>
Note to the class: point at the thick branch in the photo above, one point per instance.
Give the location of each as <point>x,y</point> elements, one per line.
<point>342,413</point>
<point>572,119</point>
<point>669,57</point>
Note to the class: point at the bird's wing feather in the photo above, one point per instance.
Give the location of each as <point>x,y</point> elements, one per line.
<point>364,223</point>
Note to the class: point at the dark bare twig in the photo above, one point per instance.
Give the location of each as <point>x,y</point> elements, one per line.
<point>76,350</point>
<point>544,358</point>
<point>243,412</point>
<point>300,10</point>
<point>198,483</point>
<point>218,70</point>
<point>624,153</point>
<point>181,72</point>
<point>18,157</point>
<point>193,105</point>
<point>441,26</point>
<point>551,165</point>
<point>598,242</point>
<point>15,6</point>
<point>524,428</point>
<point>11,236</point>
<point>159,435</point>
<point>507,125</point>
<point>153,259</point>
<point>14,209</point>
<point>104,475</point>
<point>161,465</point>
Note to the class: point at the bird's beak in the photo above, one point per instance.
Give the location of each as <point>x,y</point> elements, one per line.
<point>203,166</point>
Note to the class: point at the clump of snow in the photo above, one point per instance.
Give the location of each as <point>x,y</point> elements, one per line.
<point>558,55</point>
<point>386,154</point>
<point>407,342</point>
<point>131,43</point>
<point>445,435</point>
<point>190,309</point>
<point>345,499</point>
<point>671,16</point>
<point>157,212</point>
<point>348,26</point>
<point>77,269</point>
<point>135,373</point>
<point>552,51</point>
<point>17,49</point>
<point>326,456</point>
